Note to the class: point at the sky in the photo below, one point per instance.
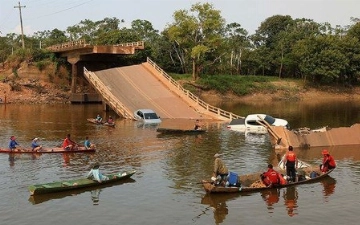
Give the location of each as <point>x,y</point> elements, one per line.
<point>40,15</point>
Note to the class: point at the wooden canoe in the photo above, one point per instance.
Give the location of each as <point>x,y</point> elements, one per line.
<point>49,150</point>
<point>252,183</point>
<point>67,185</point>
<point>37,199</point>
<point>179,131</point>
<point>102,123</point>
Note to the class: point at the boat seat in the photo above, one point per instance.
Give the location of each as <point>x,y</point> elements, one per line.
<point>67,184</point>
<point>47,186</point>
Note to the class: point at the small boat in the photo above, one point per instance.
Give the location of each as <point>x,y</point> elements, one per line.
<point>91,120</point>
<point>77,183</point>
<point>179,131</point>
<point>252,183</point>
<point>49,150</point>
<point>37,199</point>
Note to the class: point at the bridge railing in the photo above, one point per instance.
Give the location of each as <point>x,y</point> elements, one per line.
<point>113,102</point>
<point>68,45</point>
<point>139,44</point>
<point>82,43</point>
<point>193,97</point>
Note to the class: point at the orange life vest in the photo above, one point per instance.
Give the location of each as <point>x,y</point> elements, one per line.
<point>291,157</point>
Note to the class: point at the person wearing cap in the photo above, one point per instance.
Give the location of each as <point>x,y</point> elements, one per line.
<point>13,143</point>
<point>95,173</point>
<point>328,161</point>
<point>290,161</point>
<point>219,170</point>
<point>35,146</point>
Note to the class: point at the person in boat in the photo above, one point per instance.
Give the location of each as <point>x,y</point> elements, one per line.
<point>328,162</point>
<point>13,143</point>
<point>88,144</point>
<point>219,170</point>
<point>290,161</point>
<point>98,118</point>
<point>271,178</point>
<point>35,146</point>
<point>69,144</point>
<point>95,173</point>
<point>110,120</point>
<point>197,125</point>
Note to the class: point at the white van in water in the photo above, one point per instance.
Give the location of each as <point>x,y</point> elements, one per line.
<point>252,123</point>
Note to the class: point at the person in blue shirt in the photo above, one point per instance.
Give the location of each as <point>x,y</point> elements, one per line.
<point>88,144</point>
<point>95,174</point>
<point>35,146</point>
<point>13,143</point>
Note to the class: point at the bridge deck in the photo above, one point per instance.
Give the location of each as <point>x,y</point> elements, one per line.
<point>136,88</point>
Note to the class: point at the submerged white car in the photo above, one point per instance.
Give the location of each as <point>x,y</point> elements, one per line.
<point>147,116</point>
<point>252,123</point>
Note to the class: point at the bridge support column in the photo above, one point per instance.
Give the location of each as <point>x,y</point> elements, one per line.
<point>74,72</point>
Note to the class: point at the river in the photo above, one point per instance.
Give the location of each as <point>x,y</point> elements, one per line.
<point>165,189</point>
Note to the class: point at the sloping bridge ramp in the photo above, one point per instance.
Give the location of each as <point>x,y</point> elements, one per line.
<point>126,89</point>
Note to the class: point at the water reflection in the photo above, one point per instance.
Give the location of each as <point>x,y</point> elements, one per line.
<point>217,203</point>
<point>95,196</point>
<point>329,185</point>
<point>271,197</point>
<point>290,195</point>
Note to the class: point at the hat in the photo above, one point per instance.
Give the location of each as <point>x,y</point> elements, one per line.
<point>217,155</point>
<point>325,152</point>
<point>35,139</point>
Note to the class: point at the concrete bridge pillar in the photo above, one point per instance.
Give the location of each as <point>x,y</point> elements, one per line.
<point>74,72</point>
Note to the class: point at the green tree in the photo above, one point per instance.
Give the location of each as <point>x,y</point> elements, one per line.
<point>197,33</point>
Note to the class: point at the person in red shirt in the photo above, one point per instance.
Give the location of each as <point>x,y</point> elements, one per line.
<point>271,178</point>
<point>68,144</point>
<point>328,162</point>
<point>290,162</point>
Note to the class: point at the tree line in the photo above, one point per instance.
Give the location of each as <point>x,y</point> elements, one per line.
<point>199,42</point>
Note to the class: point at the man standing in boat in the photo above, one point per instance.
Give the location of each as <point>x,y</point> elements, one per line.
<point>291,164</point>
<point>219,170</point>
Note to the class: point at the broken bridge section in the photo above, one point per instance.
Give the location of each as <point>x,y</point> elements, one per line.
<point>129,88</point>
<point>281,138</point>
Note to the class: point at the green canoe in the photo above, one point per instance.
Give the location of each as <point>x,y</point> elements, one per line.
<point>77,183</point>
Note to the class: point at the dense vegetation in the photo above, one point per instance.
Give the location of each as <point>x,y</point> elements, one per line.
<point>199,42</point>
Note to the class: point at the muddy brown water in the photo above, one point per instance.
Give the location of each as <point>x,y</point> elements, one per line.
<point>165,189</point>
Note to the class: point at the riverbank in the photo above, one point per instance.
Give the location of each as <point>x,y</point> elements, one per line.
<point>41,92</point>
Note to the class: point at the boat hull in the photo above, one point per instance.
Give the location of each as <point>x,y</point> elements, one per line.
<point>103,124</point>
<point>60,186</point>
<point>179,131</point>
<point>247,180</point>
<point>49,150</point>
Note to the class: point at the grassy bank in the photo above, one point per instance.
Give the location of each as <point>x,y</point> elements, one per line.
<point>239,85</point>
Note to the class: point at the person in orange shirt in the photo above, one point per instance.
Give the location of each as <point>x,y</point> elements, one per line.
<point>328,162</point>
<point>291,164</point>
<point>68,144</point>
<point>271,178</point>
